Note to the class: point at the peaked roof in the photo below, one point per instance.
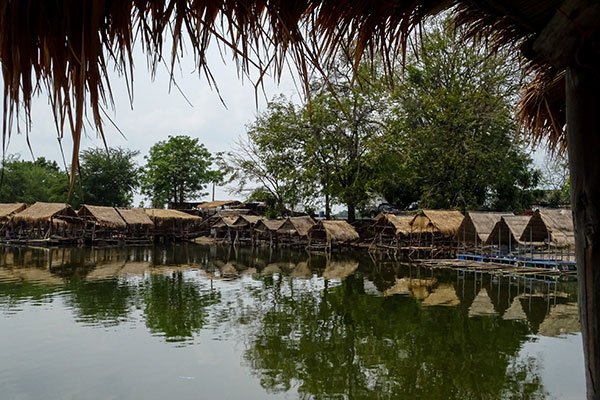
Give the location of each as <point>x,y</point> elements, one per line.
<point>337,230</point>
<point>106,216</point>
<point>555,225</point>
<point>8,209</point>
<point>297,225</point>
<point>45,212</point>
<point>401,223</point>
<point>445,222</point>
<point>508,230</point>
<point>135,216</point>
<point>269,224</point>
<point>478,225</point>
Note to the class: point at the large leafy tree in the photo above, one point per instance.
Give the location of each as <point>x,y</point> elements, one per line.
<point>177,170</point>
<point>109,177</point>
<point>453,144</point>
<point>273,156</point>
<point>31,181</point>
<point>346,117</point>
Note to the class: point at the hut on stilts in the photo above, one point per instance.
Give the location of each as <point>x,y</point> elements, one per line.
<point>265,232</point>
<point>244,229</point>
<point>139,227</point>
<point>223,228</point>
<point>326,235</point>
<point>475,229</point>
<point>550,234</point>
<point>391,232</point>
<point>174,225</point>
<point>434,232</point>
<point>7,210</point>
<point>47,223</point>
<point>294,231</point>
<point>102,224</point>
<point>505,238</point>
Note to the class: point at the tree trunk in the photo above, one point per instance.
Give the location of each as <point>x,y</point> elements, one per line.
<point>583,135</point>
<point>351,212</point>
<point>327,206</point>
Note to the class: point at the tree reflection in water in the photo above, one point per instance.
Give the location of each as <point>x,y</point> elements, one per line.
<point>321,326</point>
<point>342,343</point>
<point>176,307</point>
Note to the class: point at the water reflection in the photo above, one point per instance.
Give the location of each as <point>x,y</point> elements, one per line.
<point>341,327</point>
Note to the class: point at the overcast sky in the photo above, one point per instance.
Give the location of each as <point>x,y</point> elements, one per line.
<point>159,112</point>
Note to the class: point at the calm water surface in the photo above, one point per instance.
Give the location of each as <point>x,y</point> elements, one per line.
<point>199,322</point>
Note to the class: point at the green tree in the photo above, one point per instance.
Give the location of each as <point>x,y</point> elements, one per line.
<point>346,117</point>
<point>177,170</point>
<point>31,181</point>
<point>273,156</point>
<point>109,177</point>
<point>453,143</point>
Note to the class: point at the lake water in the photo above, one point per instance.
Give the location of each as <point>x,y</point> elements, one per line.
<point>200,322</point>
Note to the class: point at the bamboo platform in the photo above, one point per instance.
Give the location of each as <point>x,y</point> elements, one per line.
<point>492,268</point>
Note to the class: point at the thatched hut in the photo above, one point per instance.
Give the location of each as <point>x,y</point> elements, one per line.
<point>391,230</point>
<point>328,234</point>
<point>294,230</point>
<point>7,210</point>
<point>265,231</point>
<point>173,225</point>
<point>47,222</point>
<point>243,229</point>
<point>552,227</point>
<point>437,229</point>
<point>477,226</point>
<point>223,228</point>
<point>139,226</point>
<point>102,223</point>
<point>507,232</point>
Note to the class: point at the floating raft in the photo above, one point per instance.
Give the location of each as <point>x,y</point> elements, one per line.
<point>494,268</point>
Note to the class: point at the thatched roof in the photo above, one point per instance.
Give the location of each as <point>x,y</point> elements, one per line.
<point>401,223</point>
<point>562,319</point>
<point>251,219</point>
<point>69,46</point>
<point>337,231</point>
<point>217,203</point>
<point>297,226</point>
<point>339,269</point>
<point>482,305</point>
<point>445,222</point>
<point>443,295</point>
<point>508,230</point>
<point>8,209</point>
<point>226,222</point>
<point>104,216</point>
<point>477,226</point>
<point>553,226</point>
<point>159,214</point>
<point>515,312</point>
<point>269,225</point>
<point>135,217</point>
<point>45,212</point>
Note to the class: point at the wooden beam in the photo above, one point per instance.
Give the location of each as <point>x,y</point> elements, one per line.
<point>583,135</point>
<point>559,43</point>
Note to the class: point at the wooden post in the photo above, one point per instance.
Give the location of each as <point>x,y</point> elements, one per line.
<point>583,135</point>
